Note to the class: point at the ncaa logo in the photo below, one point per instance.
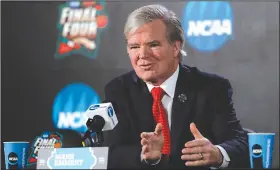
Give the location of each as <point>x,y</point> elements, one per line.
<point>70,106</point>
<point>13,158</point>
<point>257,151</point>
<point>94,107</point>
<point>207,25</point>
<point>110,112</point>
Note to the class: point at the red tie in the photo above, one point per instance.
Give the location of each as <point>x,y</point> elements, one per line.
<point>161,117</point>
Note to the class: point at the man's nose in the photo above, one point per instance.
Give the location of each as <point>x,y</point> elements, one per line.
<point>143,52</point>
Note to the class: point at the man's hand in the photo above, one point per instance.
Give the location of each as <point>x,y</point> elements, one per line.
<point>152,144</point>
<point>200,151</point>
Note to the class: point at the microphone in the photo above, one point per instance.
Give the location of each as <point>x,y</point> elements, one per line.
<point>102,117</point>
<point>106,111</point>
<point>96,124</point>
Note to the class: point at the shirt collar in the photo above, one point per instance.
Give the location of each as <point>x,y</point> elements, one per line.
<point>168,85</point>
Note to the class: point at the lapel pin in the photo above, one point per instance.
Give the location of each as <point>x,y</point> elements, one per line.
<point>182,98</point>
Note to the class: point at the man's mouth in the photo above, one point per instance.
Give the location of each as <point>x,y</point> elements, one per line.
<point>146,66</point>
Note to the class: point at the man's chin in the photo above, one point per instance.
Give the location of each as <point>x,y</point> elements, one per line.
<point>150,79</point>
<point>147,78</point>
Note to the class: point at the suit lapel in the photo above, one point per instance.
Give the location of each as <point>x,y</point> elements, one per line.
<point>143,106</point>
<point>182,109</point>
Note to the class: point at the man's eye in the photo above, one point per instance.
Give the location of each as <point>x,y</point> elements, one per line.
<point>133,47</point>
<point>154,45</point>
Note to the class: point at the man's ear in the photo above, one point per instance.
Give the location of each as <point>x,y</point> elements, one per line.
<point>177,48</point>
<point>127,49</point>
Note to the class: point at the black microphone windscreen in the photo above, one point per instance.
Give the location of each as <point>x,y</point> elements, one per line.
<point>97,123</point>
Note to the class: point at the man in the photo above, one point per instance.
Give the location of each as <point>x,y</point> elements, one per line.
<point>170,115</point>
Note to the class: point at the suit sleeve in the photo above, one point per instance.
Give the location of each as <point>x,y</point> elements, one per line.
<point>227,128</point>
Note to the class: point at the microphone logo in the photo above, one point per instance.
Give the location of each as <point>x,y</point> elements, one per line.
<point>111,114</point>
<point>182,98</point>
<point>94,107</point>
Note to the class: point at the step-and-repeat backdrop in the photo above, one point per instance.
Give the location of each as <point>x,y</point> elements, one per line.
<point>58,56</point>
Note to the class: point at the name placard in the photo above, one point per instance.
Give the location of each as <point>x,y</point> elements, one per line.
<point>73,158</point>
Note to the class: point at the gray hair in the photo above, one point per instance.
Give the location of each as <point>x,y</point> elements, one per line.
<point>149,13</point>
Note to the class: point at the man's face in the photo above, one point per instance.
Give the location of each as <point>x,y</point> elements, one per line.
<point>153,58</point>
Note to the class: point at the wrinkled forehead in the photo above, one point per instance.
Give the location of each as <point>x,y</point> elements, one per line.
<point>155,30</point>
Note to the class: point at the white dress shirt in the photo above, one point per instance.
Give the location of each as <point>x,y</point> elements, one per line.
<point>169,86</point>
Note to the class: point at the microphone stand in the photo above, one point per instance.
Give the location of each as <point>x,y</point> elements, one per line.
<point>95,125</point>
<point>87,135</point>
<point>98,139</point>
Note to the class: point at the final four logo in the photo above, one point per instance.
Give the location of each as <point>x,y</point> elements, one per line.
<point>80,26</point>
<point>46,140</point>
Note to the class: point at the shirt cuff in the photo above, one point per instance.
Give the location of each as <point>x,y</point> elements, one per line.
<point>151,162</point>
<point>226,158</point>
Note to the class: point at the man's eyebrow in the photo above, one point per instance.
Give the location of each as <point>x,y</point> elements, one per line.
<point>148,43</point>
<point>132,44</point>
<point>153,42</point>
